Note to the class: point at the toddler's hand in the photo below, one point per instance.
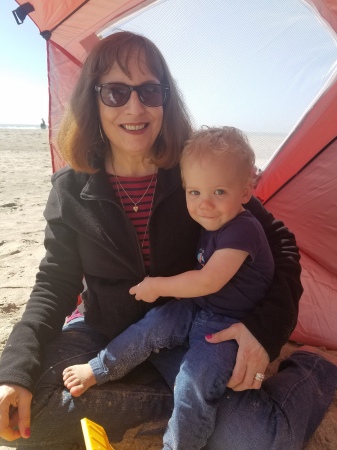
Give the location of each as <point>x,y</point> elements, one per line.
<point>145,290</point>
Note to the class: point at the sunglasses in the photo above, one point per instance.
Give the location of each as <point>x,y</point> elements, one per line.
<point>118,94</point>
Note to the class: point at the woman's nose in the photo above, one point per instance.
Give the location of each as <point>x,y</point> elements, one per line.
<point>134,105</point>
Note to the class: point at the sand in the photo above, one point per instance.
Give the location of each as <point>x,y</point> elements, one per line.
<point>24,185</point>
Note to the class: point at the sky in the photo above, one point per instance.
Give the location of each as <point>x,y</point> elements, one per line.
<point>259,75</point>
<point>23,70</point>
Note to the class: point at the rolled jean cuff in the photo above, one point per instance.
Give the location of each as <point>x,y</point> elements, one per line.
<point>100,371</point>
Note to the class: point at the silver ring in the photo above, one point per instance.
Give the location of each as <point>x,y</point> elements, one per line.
<point>259,376</point>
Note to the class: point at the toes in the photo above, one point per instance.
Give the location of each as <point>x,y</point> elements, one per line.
<point>69,377</point>
<point>67,370</point>
<point>76,391</point>
<point>71,382</point>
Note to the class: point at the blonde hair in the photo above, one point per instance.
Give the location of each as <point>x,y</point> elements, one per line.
<point>213,142</point>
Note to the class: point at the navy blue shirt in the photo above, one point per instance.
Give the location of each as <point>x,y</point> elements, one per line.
<point>251,282</point>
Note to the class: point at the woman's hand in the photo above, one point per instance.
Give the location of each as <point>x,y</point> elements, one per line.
<point>15,404</point>
<point>250,360</point>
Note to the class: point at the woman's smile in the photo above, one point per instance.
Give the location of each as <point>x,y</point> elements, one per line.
<point>139,127</point>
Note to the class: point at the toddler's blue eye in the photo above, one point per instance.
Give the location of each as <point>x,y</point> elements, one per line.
<point>219,191</point>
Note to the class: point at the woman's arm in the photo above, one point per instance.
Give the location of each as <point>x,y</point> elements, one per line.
<point>274,319</point>
<point>58,284</point>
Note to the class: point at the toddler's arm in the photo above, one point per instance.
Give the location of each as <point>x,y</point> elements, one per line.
<point>220,268</point>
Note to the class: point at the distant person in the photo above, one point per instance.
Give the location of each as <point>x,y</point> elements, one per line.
<point>43,125</point>
<point>235,270</point>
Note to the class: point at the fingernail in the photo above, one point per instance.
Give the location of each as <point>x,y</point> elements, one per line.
<point>27,432</point>
<point>209,336</point>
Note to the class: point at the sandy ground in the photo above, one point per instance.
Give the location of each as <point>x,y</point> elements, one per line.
<point>24,185</point>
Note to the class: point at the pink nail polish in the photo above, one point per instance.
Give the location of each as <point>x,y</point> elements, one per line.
<point>27,432</point>
<point>209,336</point>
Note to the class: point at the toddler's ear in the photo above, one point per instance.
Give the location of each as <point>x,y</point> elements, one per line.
<point>247,193</point>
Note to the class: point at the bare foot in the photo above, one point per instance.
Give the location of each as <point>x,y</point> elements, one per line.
<point>78,379</point>
<point>329,356</point>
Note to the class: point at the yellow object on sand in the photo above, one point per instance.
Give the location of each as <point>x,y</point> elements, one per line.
<point>95,437</point>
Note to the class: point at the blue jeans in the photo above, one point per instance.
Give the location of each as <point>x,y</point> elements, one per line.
<point>283,414</point>
<point>204,373</point>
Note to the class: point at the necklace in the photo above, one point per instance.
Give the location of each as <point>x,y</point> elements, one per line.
<point>118,184</point>
<point>135,204</point>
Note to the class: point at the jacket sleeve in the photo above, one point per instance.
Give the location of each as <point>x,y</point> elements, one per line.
<point>274,319</point>
<point>54,296</point>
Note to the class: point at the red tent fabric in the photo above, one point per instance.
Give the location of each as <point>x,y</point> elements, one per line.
<point>299,185</point>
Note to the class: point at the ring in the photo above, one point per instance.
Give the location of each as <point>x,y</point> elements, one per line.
<point>259,376</point>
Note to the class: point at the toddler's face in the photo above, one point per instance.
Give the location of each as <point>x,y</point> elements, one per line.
<point>215,191</point>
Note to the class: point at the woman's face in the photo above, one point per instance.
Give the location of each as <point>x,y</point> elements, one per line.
<point>133,128</point>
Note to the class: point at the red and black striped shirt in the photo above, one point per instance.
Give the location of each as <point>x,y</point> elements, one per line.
<point>135,187</point>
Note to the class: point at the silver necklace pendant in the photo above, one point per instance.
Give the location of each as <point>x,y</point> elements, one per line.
<point>119,185</point>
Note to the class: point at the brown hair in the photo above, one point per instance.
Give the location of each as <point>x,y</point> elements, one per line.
<point>80,139</point>
<point>212,142</point>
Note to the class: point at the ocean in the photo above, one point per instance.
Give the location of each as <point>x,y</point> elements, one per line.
<point>13,126</point>
<point>265,145</point>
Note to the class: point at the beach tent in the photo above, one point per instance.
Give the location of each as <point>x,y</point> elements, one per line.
<point>299,185</point>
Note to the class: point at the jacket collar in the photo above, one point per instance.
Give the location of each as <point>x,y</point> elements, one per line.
<point>98,186</point>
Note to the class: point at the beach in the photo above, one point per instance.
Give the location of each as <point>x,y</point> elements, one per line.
<point>24,186</point>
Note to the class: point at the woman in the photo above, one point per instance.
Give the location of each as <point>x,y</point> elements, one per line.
<point>118,214</point>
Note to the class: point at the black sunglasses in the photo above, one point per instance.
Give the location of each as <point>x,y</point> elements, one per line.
<point>118,94</point>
